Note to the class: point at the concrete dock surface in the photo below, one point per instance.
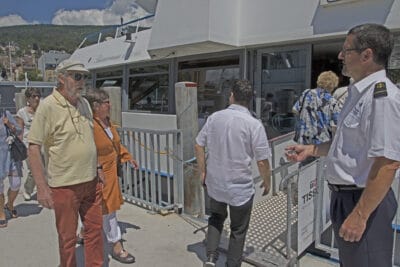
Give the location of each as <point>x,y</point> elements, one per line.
<point>155,240</point>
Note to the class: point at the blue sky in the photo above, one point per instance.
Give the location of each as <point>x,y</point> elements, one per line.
<point>68,12</point>
<point>43,10</point>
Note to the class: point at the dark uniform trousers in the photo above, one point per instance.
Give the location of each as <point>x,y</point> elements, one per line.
<point>376,245</point>
<point>240,219</point>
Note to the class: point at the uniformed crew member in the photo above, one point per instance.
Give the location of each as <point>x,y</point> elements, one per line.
<point>363,156</point>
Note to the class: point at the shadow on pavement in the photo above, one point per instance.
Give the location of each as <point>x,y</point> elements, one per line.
<point>199,249</point>
<point>25,209</point>
<point>79,251</point>
<point>125,225</point>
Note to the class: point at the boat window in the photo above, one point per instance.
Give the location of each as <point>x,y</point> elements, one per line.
<point>109,82</point>
<point>149,69</point>
<point>107,74</point>
<point>109,78</point>
<point>394,62</point>
<point>214,79</point>
<point>283,78</point>
<point>148,88</point>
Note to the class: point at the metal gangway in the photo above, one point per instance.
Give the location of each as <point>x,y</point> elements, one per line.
<point>283,224</point>
<point>295,214</point>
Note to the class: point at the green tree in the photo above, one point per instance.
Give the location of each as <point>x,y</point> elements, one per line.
<point>33,75</point>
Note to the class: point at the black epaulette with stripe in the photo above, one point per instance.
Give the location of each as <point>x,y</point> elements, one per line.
<point>380,90</point>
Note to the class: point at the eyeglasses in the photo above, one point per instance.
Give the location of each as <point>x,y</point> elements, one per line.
<point>77,76</point>
<point>345,50</point>
<point>34,96</point>
<point>105,102</point>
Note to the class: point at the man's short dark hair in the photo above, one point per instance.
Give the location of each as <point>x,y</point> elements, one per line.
<point>242,92</point>
<point>376,37</point>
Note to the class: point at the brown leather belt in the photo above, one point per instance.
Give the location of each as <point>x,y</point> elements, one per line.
<point>344,187</point>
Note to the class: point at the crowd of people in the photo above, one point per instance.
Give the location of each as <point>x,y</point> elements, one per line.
<point>58,130</point>
<point>356,129</point>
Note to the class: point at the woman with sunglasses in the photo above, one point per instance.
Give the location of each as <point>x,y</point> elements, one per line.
<point>109,150</point>
<point>24,119</point>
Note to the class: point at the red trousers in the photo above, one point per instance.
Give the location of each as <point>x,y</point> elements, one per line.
<point>86,200</point>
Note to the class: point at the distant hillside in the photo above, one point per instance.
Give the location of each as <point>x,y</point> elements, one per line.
<point>49,37</point>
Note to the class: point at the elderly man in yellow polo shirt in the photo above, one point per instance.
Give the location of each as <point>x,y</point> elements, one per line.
<point>63,126</point>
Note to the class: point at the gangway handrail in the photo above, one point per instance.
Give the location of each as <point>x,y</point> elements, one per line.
<point>289,179</point>
<point>112,27</point>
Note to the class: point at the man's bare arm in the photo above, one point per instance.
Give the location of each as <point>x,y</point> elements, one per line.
<point>265,173</point>
<point>379,181</point>
<point>36,164</point>
<point>201,162</point>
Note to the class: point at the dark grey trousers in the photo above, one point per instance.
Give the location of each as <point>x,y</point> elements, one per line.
<point>376,245</point>
<point>240,218</point>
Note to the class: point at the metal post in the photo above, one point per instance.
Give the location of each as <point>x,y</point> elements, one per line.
<point>9,54</point>
<point>153,185</point>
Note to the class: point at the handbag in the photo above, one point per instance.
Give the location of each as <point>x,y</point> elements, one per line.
<point>17,148</point>
<point>120,171</point>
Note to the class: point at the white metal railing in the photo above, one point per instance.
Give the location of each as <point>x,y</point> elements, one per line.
<point>158,184</point>
<point>128,29</point>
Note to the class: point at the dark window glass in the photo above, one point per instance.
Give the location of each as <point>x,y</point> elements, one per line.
<point>109,82</point>
<point>214,79</point>
<point>394,62</point>
<point>208,63</point>
<point>282,81</point>
<point>149,93</point>
<point>105,74</point>
<point>214,87</point>
<point>149,69</point>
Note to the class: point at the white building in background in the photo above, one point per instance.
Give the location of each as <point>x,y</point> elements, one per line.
<point>281,46</point>
<point>48,62</point>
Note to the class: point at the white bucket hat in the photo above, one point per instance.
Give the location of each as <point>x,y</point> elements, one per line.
<point>71,65</point>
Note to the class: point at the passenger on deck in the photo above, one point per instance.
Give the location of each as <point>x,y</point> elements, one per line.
<point>364,154</point>
<point>110,152</point>
<point>318,111</point>
<point>8,168</point>
<point>63,125</point>
<point>24,118</point>
<point>233,137</point>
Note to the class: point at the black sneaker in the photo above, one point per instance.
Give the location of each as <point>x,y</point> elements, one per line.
<point>211,261</point>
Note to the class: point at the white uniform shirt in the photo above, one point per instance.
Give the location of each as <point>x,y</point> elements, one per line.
<point>368,127</point>
<point>233,138</point>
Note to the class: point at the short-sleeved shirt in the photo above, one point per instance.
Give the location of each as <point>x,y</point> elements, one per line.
<point>233,138</point>
<point>27,117</point>
<point>317,114</point>
<point>66,133</point>
<point>368,128</point>
<point>6,163</point>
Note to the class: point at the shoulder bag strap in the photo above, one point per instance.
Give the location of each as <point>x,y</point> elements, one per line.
<point>304,98</point>
<point>340,97</point>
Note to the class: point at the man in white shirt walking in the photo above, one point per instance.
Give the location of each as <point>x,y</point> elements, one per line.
<point>233,138</point>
